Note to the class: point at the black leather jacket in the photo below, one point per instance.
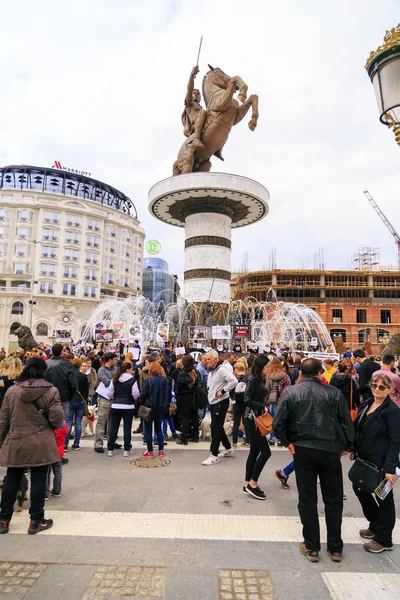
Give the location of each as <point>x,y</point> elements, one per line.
<point>62,375</point>
<point>314,415</point>
<point>378,438</point>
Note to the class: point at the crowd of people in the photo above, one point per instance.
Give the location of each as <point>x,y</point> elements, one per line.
<point>320,411</point>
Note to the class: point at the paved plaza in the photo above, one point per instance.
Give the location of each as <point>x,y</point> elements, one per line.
<point>183,532</point>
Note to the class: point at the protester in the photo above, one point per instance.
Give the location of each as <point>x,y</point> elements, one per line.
<point>238,404</point>
<point>378,441</point>
<point>255,400</point>
<point>155,394</point>
<point>105,376</point>
<point>276,382</point>
<point>313,421</point>
<point>388,361</point>
<point>220,382</point>
<point>365,370</point>
<point>123,391</point>
<point>343,381</point>
<point>76,407</point>
<point>31,411</point>
<point>62,375</point>
<point>184,391</point>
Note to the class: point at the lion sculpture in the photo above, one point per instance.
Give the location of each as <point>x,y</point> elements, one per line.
<point>393,346</point>
<point>26,341</point>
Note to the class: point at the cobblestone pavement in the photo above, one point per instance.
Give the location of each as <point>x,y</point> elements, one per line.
<point>144,583</point>
<point>245,585</point>
<point>19,577</point>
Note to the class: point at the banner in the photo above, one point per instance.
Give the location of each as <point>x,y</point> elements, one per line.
<point>105,335</point>
<point>242,332</point>
<point>198,333</point>
<point>162,332</point>
<point>221,332</point>
<point>323,355</point>
<point>119,331</point>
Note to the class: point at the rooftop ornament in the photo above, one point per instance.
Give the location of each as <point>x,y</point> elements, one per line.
<point>383,67</point>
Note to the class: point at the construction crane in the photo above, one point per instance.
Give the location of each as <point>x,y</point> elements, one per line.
<point>387,223</point>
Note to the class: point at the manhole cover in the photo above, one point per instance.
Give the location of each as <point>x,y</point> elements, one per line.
<point>150,463</point>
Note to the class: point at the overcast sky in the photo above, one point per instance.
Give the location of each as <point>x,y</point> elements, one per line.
<point>99,85</point>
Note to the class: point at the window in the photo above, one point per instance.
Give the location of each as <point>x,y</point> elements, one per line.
<point>386,316</point>
<point>17,308</point>
<point>46,287</point>
<point>94,224</point>
<point>42,329</point>
<point>111,230</point>
<point>69,288</point>
<point>91,274</point>
<point>363,335</point>
<point>25,215</point>
<point>50,234</point>
<point>74,220</point>
<point>337,315</point>
<point>4,231</point>
<point>89,291</point>
<point>23,232</point>
<point>382,335</point>
<point>52,217</point>
<point>19,268</point>
<point>361,315</point>
<point>3,249</point>
<point>5,214</point>
<point>20,250</point>
<point>335,333</point>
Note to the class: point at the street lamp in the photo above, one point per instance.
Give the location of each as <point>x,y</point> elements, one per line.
<point>383,67</point>
<point>33,282</point>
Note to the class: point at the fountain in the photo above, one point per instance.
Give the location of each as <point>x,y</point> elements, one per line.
<point>283,323</point>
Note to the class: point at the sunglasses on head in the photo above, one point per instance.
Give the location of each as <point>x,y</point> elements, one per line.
<point>381,388</point>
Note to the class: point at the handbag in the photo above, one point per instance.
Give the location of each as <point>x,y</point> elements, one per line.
<point>353,411</point>
<point>144,412</point>
<point>264,424</point>
<point>365,475</point>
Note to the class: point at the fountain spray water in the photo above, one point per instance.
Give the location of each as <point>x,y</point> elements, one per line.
<point>282,323</point>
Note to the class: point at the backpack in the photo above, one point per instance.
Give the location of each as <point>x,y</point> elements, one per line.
<point>240,389</point>
<point>200,397</point>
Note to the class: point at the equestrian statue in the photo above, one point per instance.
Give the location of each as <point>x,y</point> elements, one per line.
<point>207,130</point>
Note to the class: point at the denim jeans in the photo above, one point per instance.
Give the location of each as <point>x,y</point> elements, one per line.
<point>169,421</point>
<point>75,410</point>
<point>288,470</point>
<point>11,487</point>
<point>115,416</point>
<point>271,410</point>
<point>56,469</point>
<point>148,430</point>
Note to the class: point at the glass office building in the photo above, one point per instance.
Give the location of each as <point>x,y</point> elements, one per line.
<point>159,285</point>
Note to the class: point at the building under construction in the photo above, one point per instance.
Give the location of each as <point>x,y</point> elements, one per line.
<point>357,305</point>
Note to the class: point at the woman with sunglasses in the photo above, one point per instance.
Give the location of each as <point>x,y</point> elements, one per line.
<point>378,441</point>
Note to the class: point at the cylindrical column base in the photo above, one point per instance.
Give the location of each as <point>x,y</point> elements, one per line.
<point>208,257</point>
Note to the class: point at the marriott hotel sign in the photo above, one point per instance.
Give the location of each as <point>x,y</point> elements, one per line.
<point>58,165</point>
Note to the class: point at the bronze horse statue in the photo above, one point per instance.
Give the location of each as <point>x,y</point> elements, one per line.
<point>223,112</point>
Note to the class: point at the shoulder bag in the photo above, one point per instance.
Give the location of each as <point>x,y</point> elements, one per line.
<point>264,424</point>
<point>145,412</point>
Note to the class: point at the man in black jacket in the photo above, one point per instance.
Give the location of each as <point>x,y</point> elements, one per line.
<point>313,421</point>
<point>365,370</point>
<point>62,375</point>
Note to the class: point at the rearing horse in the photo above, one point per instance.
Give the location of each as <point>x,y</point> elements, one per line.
<point>223,112</point>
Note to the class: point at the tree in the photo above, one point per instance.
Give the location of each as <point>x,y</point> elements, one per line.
<point>367,347</point>
<point>339,344</point>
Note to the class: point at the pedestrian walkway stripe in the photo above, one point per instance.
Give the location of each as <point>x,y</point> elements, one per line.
<point>186,526</point>
<point>354,586</point>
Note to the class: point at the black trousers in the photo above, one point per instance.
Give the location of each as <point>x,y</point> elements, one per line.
<point>259,452</point>
<point>238,413</point>
<point>218,435</point>
<point>309,463</point>
<point>115,416</point>
<point>11,487</point>
<point>190,414</point>
<point>381,516</point>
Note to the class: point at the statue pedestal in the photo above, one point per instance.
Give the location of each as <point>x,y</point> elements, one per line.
<point>208,206</point>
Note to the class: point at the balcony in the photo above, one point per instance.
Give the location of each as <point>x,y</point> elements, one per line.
<point>96,245</point>
<point>15,290</point>
<point>86,294</point>
<point>87,277</point>
<point>97,228</point>
<point>88,260</point>
<point>46,237</point>
<point>90,226</point>
<point>95,261</point>
<point>54,238</point>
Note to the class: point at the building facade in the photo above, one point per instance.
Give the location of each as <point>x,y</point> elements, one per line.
<point>359,306</point>
<point>66,242</point>
<point>159,285</point>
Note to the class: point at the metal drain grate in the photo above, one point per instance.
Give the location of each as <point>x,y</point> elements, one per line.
<point>150,463</point>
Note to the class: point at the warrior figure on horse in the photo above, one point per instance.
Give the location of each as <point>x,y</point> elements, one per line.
<point>207,130</point>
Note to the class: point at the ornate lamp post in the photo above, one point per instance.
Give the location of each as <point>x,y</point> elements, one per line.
<point>383,67</point>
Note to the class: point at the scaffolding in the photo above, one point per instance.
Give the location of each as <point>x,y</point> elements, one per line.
<point>366,259</point>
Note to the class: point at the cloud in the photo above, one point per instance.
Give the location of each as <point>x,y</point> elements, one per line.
<point>100,86</point>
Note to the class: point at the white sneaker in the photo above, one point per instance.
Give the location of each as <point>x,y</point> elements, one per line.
<point>226,453</point>
<point>127,453</point>
<point>111,452</point>
<point>211,460</point>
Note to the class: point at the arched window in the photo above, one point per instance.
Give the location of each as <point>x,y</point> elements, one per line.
<point>42,329</point>
<point>382,335</point>
<point>17,308</point>
<point>364,335</point>
<point>334,333</point>
<point>14,326</point>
